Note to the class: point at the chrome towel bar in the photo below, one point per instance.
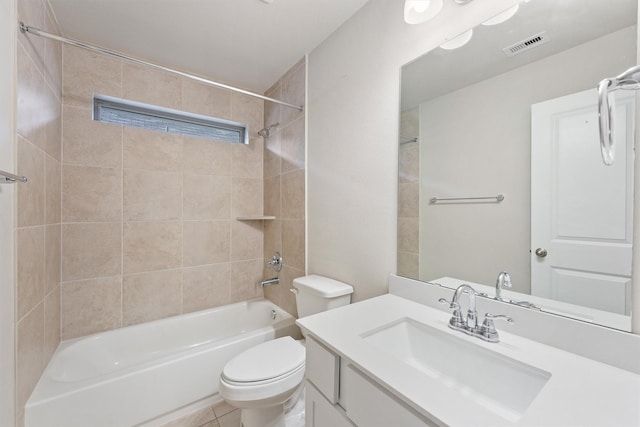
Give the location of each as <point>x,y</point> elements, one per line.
<point>433,200</point>
<point>9,178</point>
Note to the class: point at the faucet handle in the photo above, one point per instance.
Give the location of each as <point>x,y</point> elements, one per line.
<point>456,319</point>
<point>488,329</point>
<point>452,304</point>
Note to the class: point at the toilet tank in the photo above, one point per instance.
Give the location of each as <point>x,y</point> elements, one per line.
<point>318,293</point>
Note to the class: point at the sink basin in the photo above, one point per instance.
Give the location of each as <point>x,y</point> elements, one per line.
<point>499,383</point>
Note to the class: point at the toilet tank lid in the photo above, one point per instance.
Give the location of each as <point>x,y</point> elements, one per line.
<point>322,286</point>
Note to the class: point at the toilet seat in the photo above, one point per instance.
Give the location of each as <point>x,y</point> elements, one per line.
<point>271,359</point>
<point>264,371</point>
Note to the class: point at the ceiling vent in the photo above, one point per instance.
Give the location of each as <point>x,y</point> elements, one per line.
<point>529,43</point>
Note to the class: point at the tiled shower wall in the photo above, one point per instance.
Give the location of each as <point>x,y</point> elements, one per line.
<point>284,185</point>
<point>148,218</point>
<point>38,124</point>
<point>409,194</point>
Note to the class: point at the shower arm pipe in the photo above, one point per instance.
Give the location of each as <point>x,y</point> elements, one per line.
<point>38,32</point>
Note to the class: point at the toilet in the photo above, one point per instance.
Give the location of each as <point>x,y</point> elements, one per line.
<point>265,379</point>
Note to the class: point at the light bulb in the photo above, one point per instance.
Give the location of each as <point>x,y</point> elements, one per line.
<point>501,17</point>
<point>419,11</point>
<point>458,41</point>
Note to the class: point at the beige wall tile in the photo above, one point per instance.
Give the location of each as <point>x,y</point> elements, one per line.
<point>29,353</point>
<point>90,306</point>
<point>53,190</point>
<point>272,196</point>
<point>246,240</point>
<point>30,269</point>
<point>150,150</point>
<point>247,110</point>
<point>88,142</point>
<point>245,280</point>
<point>150,195</point>
<point>408,234</point>
<point>91,194</point>
<point>293,92</point>
<point>150,246</point>
<point>32,12</point>
<point>52,54</point>
<point>408,199</point>
<point>286,299</point>
<point>31,195</point>
<point>206,286</point>
<point>271,109</point>
<point>409,163</point>
<point>144,84</point>
<point>247,159</point>
<point>272,155</point>
<point>85,73</point>
<point>51,322</point>
<point>52,254</point>
<point>293,243</point>
<point>206,242</point>
<point>292,146</point>
<point>52,143</point>
<point>206,197</point>
<point>31,112</point>
<point>408,264</point>
<point>199,98</point>
<point>204,156</point>
<point>272,237</point>
<point>293,195</point>
<point>151,296</point>
<point>91,250</point>
<point>246,197</point>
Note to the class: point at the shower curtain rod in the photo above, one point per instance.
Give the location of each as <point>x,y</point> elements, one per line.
<point>38,32</point>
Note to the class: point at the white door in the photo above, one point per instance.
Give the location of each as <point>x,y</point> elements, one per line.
<point>581,210</point>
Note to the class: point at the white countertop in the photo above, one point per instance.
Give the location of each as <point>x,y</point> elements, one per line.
<point>580,391</point>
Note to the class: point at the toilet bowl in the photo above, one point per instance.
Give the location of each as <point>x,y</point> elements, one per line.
<point>263,380</point>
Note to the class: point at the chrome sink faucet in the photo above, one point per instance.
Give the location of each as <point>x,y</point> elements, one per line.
<point>503,281</point>
<point>469,324</point>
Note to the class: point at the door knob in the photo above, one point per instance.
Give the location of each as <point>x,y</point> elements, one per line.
<point>541,252</point>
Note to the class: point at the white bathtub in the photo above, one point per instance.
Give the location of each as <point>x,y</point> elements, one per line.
<point>133,375</point>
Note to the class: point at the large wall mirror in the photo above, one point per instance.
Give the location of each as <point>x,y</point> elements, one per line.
<point>500,166</point>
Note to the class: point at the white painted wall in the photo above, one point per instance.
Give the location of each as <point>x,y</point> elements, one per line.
<point>7,132</point>
<point>353,113</point>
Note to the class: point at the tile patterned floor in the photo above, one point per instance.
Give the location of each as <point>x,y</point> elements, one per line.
<point>224,415</point>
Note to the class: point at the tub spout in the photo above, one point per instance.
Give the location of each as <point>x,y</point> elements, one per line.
<point>272,281</point>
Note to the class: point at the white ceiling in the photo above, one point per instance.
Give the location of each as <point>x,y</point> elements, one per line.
<point>567,23</point>
<point>247,43</point>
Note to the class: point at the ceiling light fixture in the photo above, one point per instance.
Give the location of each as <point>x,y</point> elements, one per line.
<point>419,11</point>
<point>501,17</point>
<point>458,41</point>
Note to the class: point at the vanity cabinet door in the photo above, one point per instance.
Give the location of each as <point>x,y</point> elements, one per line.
<point>322,369</point>
<point>320,413</point>
<point>368,405</point>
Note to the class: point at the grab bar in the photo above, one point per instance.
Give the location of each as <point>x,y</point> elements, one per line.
<point>629,80</point>
<point>9,178</point>
<point>497,198</point>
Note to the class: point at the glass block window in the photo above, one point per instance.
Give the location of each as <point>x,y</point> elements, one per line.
<point>128,113</point>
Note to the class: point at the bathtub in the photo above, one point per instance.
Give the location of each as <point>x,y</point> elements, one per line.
<point>138,374</point>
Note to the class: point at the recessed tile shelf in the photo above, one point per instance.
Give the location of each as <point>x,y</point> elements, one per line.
<point>256,218</point>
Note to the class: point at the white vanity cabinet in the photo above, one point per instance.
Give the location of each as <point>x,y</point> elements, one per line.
<point>338,394</point>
